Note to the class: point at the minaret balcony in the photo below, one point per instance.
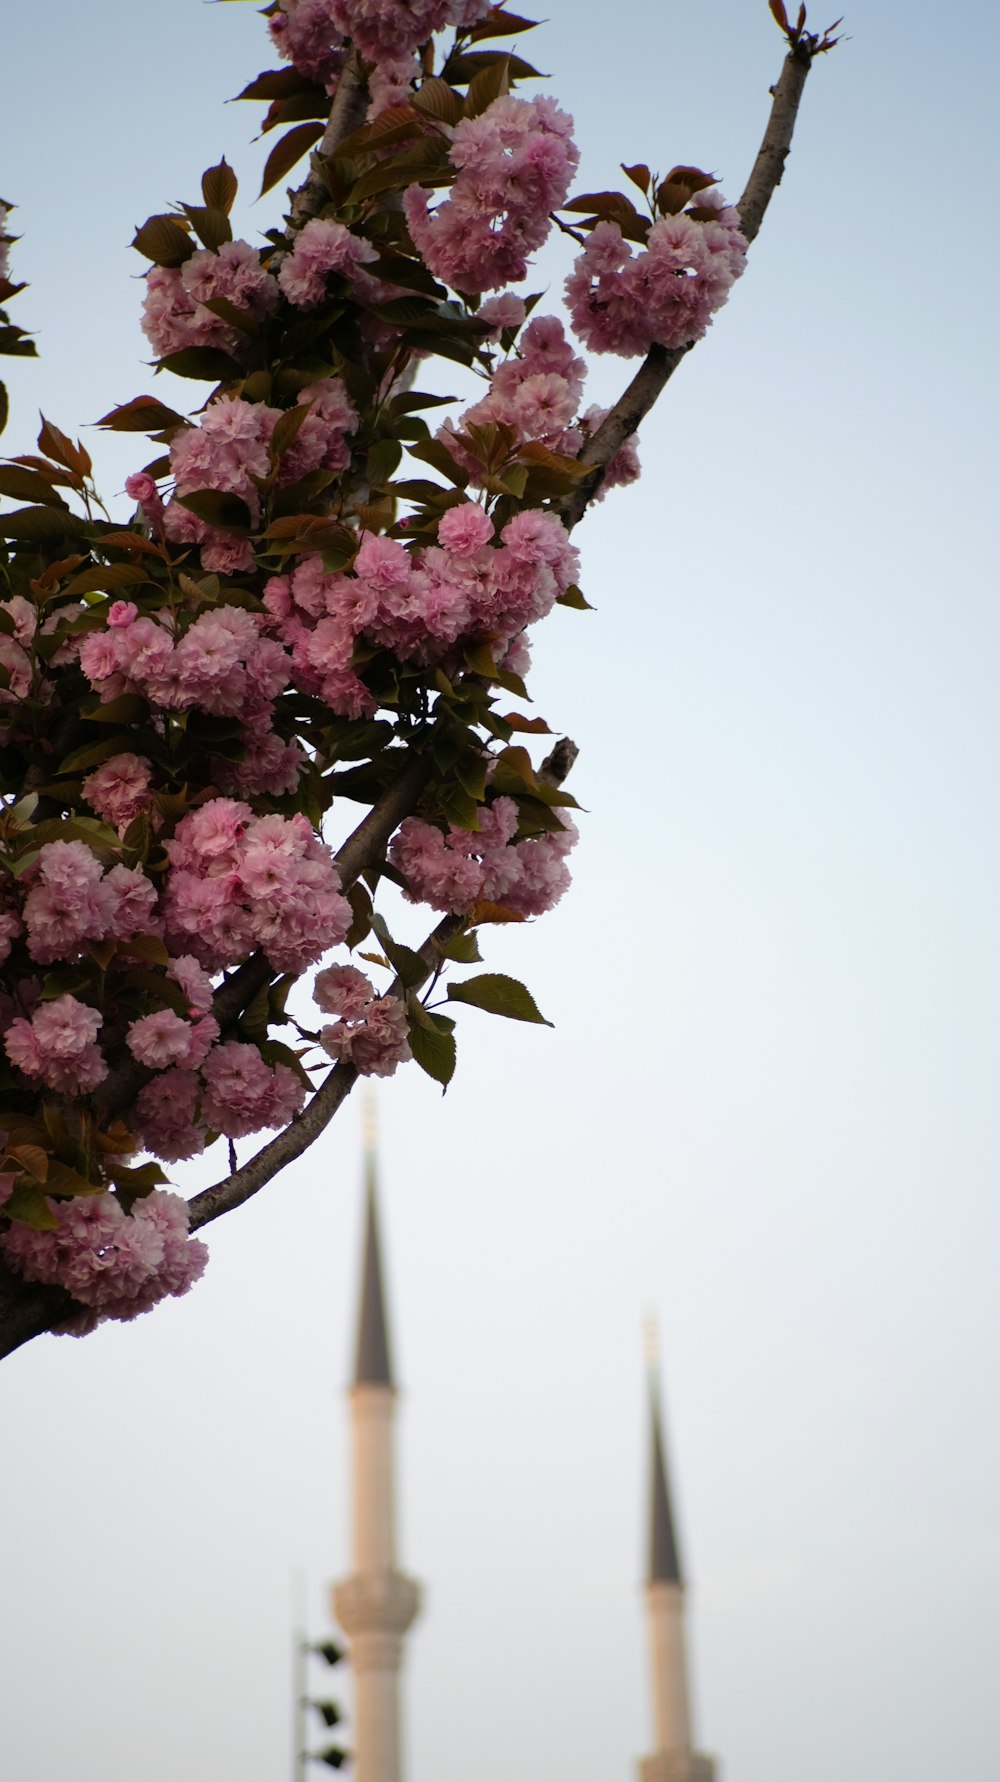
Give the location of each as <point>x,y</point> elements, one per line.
<point>376,1602</point>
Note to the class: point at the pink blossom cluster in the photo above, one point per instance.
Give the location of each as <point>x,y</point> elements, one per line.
<point>513,165</point>
<point>118,790</point>
<point>456,871</point>
<point>304,33</point>
<point>235,1093</point>
<point>666,294</point>
<point>232,447</point>
<point>10,928</point>
<point>419,604</point>
<point>116,1264</point>
<point>536,392</point>
<point>164,1038</point>
<point>238,882</point>
<point>372,1032</point>
<point>174,315</point>
<point>311,33</point>
<point>22,673</point>
<point>385,29</point>
<point>72,900</point>
<point>58,1046</point>
<point>221,663</point>
<point>321,248</point>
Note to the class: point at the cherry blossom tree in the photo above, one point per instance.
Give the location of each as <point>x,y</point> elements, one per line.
<point>230,728</point>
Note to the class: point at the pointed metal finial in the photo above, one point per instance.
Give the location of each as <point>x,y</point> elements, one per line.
<point>651,1340</point>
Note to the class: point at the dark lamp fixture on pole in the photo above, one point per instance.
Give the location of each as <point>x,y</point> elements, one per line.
<point>330,1712</point>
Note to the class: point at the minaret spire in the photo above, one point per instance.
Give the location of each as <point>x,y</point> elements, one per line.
<point>372,1358</point>
<point>664,1565</point>
<point>673,1759</point>
<point>377,1604</point>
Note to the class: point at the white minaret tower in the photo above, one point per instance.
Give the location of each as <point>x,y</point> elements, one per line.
<point>672,1758</point>
<point>377,1604</point>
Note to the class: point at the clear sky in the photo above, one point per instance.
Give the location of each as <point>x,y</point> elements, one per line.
<point>767,1110</point>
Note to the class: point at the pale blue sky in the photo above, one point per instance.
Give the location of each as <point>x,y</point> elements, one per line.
<point>767,1111</point>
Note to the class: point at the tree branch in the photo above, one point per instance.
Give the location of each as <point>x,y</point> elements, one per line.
<point>244,1183</point>
<point>347,114</point>
<point>660,363</point>
<point>765,176</point>
<point>239,1187</point>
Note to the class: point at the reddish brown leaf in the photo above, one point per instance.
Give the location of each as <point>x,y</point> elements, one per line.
<point>56,444</point>
<point>144,414</point>
<point>285,153</point>
<point>164,240</point>
<point>530,726</point>
<point>219,186</point>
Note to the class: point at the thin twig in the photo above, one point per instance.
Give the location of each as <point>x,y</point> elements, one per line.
<point>660,362</point>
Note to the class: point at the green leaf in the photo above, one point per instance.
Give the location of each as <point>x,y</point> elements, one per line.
<point>361,909</point>
<point>63,1180</point>
<point>145,946</point>
<point>433,1047</point>
<point>383,459</point>
<point>202,362</point>
<point>287,428</point>
<point>407,964</point>
<point>572,596</point>
<point>29,1206</point>
<point>498,995</point>
<point>436,453</point>
<point>462,948</point>
<point>82,760</point>
<point>128,708</point>
<point>137,1181</point>
<point>218,507</point>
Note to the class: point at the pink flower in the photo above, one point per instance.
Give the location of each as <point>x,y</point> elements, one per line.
<point>193,980</point>
<point>165,1118</point>
<point>624,302</point>
<point>243,1094</point>
<point>464,530</point>
<point>114,1264</point>
<point>163,1038</point>
<point>118,790</point>
<point>343,990</point>
<point>513,167</point>
<point>502,313</point>
<point>58,1045</point>
<point>321,248</point>
<point>374,1045</point>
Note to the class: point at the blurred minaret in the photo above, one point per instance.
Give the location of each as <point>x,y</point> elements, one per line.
<point>672,1759</point>
<point>377,1604</point>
